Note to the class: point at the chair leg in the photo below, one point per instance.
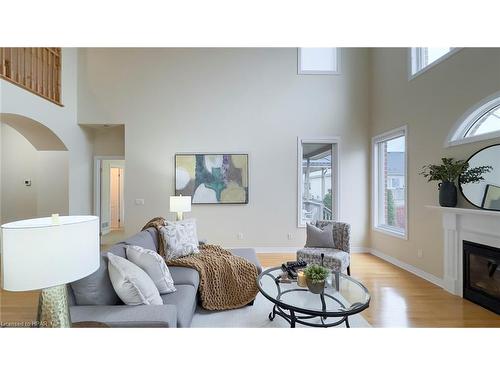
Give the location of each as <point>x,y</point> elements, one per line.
<point>349,270</point>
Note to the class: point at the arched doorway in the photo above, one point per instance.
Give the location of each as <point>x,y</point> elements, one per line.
<point>34,170</point>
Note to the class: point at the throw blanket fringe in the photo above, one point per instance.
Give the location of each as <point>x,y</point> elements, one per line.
<point>226,281</point>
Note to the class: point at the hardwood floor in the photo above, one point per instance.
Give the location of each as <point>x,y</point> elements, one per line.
<point>399,298</point>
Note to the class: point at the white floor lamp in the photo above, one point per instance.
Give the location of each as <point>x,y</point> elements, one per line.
<point>47,253</point>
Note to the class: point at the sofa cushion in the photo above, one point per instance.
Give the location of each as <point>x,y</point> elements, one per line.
<point>154,235</point>
<point>127,316</point>
<point>131,283</point>
<point>248,254</point>
<point>142,239</point>
<point>95,289</point>
<point>117,249</point>
<point>185,301</point>
<point>185,276</point>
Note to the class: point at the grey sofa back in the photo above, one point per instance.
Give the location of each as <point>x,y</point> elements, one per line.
<point>96,289</point>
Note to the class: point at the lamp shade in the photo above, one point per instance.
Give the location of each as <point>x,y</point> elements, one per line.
<point>180,204</point>
<point>41,253</point>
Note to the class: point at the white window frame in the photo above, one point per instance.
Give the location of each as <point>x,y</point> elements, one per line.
<point>376,192</point>
<point>335,71</point>
<point>335,142</point>
<point>414,56</point>
<point>465,122</point>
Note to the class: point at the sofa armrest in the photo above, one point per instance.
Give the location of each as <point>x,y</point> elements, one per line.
<point>116,316</point>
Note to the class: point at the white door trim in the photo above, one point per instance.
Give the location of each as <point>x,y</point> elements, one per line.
<point>97,182</point>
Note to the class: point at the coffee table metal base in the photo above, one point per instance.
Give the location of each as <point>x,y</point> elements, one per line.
<point>293,318</point>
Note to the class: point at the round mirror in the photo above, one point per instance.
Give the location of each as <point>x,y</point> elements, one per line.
<point>486,193</point>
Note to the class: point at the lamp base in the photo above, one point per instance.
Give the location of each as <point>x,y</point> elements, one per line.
<point>53,308</point>
<point>179,216</point>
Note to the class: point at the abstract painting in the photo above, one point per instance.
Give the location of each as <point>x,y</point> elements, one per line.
<point>212,178</point>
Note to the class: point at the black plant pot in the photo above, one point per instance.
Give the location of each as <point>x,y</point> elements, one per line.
<point>447,194</point>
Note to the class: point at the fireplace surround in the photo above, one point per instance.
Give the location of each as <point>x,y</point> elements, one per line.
<point>461,225</point>
<point>481,275</point>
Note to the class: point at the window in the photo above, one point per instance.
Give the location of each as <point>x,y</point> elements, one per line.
<point>318,61</point>
<point>318,189</point>
<point>389,183</point>
<point>479,123</point>
<point>423,58</point>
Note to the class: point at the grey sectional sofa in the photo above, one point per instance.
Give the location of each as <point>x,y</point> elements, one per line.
<point>94,299</point>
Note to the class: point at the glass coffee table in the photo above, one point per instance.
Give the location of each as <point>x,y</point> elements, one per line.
<point>343,296</point>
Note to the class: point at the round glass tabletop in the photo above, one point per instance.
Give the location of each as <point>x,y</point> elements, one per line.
<point>343,295</point>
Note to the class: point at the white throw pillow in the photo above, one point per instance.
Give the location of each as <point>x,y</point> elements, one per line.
<point>133,285</point>
<point>180,238</point>
<point>154,265</point>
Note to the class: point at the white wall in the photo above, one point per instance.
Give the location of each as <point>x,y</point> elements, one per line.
<point>47,170</point>
<point>63,122</point>
<point>19,162</point>
<point>109,141</point>
<point>230,100</point>
<point>430,105</point>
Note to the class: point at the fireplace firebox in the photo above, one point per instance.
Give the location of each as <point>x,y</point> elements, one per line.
<point>482,275</point>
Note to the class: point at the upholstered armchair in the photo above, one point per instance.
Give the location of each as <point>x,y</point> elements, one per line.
<point>338,258</point>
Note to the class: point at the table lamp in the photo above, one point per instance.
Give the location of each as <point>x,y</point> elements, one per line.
<point>180,204</point>
<point>46,253</point>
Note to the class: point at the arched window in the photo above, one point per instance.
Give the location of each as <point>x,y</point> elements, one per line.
<point>479,123</point>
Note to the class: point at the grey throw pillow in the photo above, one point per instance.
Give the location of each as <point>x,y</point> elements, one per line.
<point>131,283</point>
<point>319,237</point>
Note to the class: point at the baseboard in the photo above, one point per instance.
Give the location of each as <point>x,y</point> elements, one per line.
<point>408,267</point>
<point>293,249</point>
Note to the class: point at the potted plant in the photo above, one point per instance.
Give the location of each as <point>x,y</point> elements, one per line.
<point>448,173</point>
<point>315,278</point>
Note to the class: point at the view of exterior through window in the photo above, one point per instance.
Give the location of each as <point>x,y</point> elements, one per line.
<point>394,181</point>
<point>488,123</point>
<point>316,182</point>
<point>390,183</point>
<point>422,57</point>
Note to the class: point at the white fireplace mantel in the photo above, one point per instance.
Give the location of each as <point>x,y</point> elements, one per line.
<point>465,224</point>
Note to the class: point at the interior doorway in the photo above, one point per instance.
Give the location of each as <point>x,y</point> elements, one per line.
<point>116,197</point>
<point>109,198</point>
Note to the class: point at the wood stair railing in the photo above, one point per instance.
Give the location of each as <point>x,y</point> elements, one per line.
<point>37,70</point>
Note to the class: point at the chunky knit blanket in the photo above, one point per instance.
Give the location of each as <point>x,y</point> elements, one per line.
<point>226,281</point>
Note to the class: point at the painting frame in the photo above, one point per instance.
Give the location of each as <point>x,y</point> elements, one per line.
<point>244,176</point>
<point>492,192</point>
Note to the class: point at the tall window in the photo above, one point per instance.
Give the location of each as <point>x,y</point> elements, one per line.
<point>422,58</point>
<point>318,182</point>
<point>389,183</point>
<point>479,123</point>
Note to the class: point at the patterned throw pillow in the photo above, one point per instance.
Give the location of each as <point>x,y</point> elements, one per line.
<point>180,238</point>
<point>154,265</point>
